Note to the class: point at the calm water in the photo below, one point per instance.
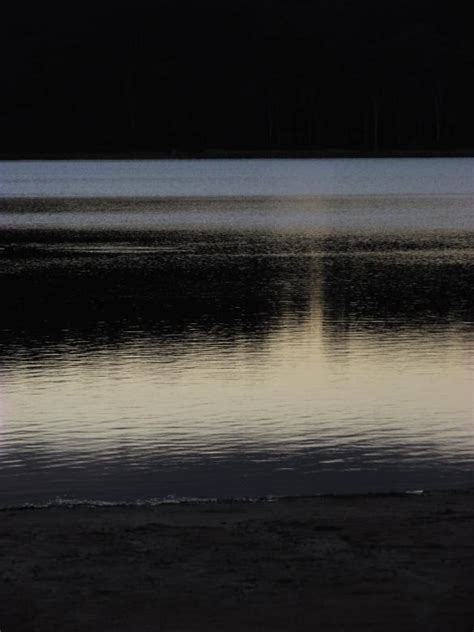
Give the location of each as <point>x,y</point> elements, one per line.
<point>230,328</point>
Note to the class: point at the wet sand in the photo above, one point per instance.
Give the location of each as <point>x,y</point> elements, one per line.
<point>392,563</point>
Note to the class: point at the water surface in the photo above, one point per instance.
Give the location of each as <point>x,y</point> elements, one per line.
<point>310,334</point>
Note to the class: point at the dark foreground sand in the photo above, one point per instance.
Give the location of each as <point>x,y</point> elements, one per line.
<point>344,563</point>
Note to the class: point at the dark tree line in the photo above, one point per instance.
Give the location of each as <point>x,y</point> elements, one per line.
<point>275,75</point>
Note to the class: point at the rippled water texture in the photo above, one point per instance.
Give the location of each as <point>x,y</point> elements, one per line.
<point>255,327</point>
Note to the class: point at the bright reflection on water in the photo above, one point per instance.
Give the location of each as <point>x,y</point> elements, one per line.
<point>235,346</point>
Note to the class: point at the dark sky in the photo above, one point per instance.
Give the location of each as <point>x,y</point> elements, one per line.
<point>275,75</point>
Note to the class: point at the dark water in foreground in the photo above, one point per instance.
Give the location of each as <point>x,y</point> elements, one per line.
<point>235,346</point>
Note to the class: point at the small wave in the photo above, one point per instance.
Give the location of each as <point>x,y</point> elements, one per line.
<point>103,249</point>
<point>148,502</point>
<point>199,500</point>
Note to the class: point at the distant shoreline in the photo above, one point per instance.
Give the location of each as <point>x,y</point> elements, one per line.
<point>369,562</point>
<point>227,154</point>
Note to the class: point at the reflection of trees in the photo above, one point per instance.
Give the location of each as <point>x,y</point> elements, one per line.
<point>380,290</point>
<point>230,287</point>
<point>229,292</point>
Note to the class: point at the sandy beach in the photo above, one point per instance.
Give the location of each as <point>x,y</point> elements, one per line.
<point>384,562</point>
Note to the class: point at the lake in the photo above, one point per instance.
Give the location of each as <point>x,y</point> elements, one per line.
<point>235,328</point>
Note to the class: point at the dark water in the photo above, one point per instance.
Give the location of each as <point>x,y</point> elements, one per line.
<point>235,346</point>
